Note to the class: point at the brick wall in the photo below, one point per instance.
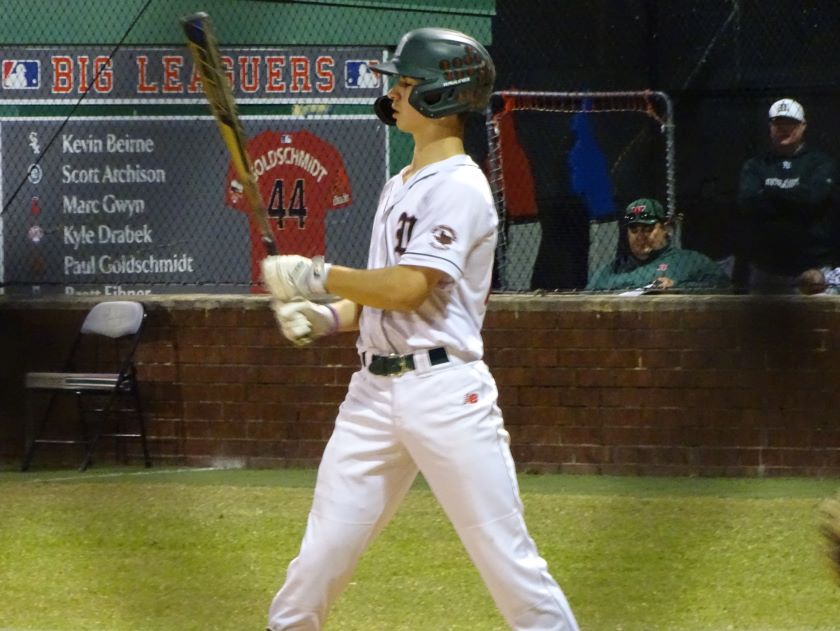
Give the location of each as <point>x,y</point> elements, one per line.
<point>725,385</point>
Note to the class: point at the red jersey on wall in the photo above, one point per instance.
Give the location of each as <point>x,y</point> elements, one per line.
<point>520,199</point>
<point>300,177</point>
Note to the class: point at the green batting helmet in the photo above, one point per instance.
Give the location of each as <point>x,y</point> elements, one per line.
<point>455,71</point>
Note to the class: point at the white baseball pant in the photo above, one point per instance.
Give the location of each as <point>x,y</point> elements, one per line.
<point>443,420</point>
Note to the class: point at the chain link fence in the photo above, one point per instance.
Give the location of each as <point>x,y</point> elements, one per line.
<point>607,146</point>
<point>114,179</point>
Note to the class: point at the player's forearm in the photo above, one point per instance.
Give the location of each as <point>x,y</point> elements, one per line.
<point>398,288</point>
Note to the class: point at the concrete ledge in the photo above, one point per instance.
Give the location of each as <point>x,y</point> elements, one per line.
<point>497,302</point>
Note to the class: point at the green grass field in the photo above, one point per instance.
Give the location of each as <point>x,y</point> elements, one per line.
<point>122,549</point>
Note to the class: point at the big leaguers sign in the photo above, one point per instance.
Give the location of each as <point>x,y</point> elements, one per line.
<point>144,75</point>
<point>300,176</point>
<point>143,203</point>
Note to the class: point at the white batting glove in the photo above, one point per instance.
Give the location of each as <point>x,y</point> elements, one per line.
<point>291,276</point>
<point>302,321</point>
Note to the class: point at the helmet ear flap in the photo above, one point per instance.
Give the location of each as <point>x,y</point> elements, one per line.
<point>384,110</point>
<point>426,101</point>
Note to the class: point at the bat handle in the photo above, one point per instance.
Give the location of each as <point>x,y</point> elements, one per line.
<point>270,246</point>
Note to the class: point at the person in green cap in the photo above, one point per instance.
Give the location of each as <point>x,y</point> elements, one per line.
<point>653,262</point>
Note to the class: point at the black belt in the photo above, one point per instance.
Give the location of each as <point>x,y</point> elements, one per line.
<point>390,365</point>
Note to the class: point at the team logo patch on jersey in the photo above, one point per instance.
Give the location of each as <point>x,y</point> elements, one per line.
<point>444,236</point>
<point>357,74</point>
<point>663,267</point>
<point>471,398</point>
<point>21,74</point>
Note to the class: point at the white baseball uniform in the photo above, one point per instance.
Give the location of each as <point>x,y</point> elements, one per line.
<point>439,417</point>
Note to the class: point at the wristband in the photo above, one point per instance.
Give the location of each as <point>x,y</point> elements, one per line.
<point>318,277</point>
<point>336,323</point>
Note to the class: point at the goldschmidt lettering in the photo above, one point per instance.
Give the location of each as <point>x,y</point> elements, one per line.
<point>292,156</point>
<point>128,264</point>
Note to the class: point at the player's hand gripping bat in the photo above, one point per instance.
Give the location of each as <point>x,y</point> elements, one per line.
<point>205,52</point>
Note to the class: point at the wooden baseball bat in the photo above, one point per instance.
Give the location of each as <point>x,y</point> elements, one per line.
<point>204,48</point>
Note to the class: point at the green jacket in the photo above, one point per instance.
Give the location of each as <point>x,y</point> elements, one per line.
<point>787,211</point>
<point>689,270</point>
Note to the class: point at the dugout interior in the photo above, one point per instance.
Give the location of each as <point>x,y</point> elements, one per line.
<point>563,166</point>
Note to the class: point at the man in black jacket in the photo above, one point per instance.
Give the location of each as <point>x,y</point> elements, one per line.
<point>786,204</point>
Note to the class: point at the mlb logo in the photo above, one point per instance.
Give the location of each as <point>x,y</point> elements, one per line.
<point>357,74</point>
<point>21,74</point>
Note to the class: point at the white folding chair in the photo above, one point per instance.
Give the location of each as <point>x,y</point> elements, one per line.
<point>99,370</point>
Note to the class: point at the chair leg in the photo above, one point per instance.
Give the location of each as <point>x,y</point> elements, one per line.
<point>147,460</point>
<point>82,418</point>
<point>35,434</point>
<point>102,418</point>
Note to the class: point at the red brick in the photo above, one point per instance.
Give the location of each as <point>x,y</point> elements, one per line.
<point>166,373</point>
<point>265,430</point>
<point>309,431</point>
<point>594,319</point>
<point>521,357</point>
<point>582,436</point>
<point>544,338</point>
<point>657,359</point>
<point>514,376</point>
<point>548,376</point>
<point>202,411</point>
<point>789,437</point>
<point>189,354</point>
<point>158,351</point>
<point>258,318</point>
<point>222,318</point>
<point>529,396</point>
<point>214,392</point>
<point>317,413</point>
<point>596,377</point>
<point>508,396</point>
<point>599,358</point>
<point>671,387</point>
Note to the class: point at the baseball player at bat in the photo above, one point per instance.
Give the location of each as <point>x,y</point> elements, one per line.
<point>423,399</point>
